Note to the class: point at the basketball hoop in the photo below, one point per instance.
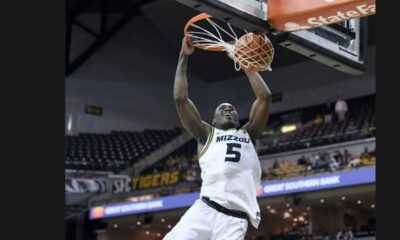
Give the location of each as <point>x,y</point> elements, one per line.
<point>251,52</point>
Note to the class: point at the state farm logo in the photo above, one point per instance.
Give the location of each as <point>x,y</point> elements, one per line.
<point>358,11</point>
<point>339,16</point>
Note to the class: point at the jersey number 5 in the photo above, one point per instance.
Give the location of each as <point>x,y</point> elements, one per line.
<point>232,151</point>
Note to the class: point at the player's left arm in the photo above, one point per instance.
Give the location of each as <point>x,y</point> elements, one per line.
<point>260,110</point>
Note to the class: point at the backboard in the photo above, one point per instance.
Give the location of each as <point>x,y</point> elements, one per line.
<point>340,45</point>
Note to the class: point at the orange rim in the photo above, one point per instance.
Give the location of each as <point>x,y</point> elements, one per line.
<point>199,17</point>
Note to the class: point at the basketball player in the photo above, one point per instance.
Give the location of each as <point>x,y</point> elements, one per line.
<point>231,171</point>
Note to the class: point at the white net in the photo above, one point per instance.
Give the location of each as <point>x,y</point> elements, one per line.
<point>250,51</point>
<point>253,50</point>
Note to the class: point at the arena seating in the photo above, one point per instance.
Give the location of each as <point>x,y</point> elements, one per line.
<point>290,170</point>
<point>184,159</point>
<point>181,158</point>
<point>359,123</point>
<point>114,151</point>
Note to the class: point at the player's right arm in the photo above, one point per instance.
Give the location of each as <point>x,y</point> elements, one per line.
<point>188,114</point>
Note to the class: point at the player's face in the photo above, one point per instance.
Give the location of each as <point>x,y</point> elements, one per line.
<point>226,116</point>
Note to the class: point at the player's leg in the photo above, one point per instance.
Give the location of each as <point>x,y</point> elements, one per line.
<point>229,228</point>
<point>195,224</point>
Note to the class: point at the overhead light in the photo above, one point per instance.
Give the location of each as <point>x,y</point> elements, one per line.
<point>290,210</point>
<point>308,208</point>
<point>69,126</point>
<point>273,211</point>
<point>305,222</point>
<point>158,235</point>
<point>287,204</point>
<point>138,222</point>
<point>304,214</point>
<point>359,202</point>
<point>322,200</point>
<point>147,232</point>
<point>343,198</point>
<point>162,219</point>
<point>288,128</point>
<point>286,215</point>
<point>373,206</point>
<point>115,225</point>
<point>169,226</point>
<point>295,219</point>
<point>268,207</point>
<point>301,218</point>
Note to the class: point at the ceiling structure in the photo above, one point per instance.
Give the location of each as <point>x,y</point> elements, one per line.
<point>168,17</point>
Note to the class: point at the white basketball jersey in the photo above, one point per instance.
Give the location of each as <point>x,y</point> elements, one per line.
<point>231,171</point>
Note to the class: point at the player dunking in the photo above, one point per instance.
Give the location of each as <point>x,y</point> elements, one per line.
<point>230,168</point>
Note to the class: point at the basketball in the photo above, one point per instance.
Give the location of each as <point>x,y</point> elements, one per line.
<point>254,52</point>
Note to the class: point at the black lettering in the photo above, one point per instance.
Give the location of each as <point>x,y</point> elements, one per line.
<point>232,137</point>
<point>230,150</point>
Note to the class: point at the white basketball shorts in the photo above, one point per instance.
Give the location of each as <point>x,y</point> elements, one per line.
<point>201,222</point>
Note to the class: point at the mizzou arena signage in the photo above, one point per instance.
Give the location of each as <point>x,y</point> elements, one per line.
<point>122,185</point>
